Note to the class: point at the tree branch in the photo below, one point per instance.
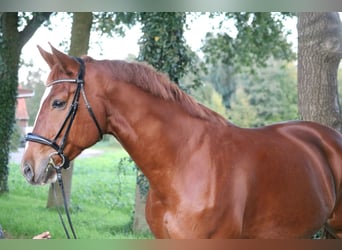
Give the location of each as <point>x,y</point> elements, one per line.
<point>32,26</point>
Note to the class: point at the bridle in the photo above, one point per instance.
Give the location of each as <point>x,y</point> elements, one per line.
<point>66,126</point>
<point>69,118</point>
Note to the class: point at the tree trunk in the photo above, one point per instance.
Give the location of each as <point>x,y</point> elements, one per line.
<point>139,221</point>
<point>139,224</point>
<point>11,43</point>
<point>319,54</point>
<point>80,35</point>
<point>10,53</point>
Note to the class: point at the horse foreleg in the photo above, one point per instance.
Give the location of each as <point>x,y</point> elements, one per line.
<point>155,213</point>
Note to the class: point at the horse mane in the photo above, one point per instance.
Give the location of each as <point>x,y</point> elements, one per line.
<point>158,84</point>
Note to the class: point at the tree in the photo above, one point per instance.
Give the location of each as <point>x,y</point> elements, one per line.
<point>271,92</point>
<point>258,37</point>
<point>163,45</point>
<point>242,113</point>
<point>319,55</point>
<point>110,23</point>
<point>208,96</point>
<point>11,42</point>
<point>221,76</point>
<point>80,35</point>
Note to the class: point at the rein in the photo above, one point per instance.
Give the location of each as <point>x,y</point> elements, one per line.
<point>66,126</point>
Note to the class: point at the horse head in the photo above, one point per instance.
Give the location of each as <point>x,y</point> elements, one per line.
<point>63,126</point>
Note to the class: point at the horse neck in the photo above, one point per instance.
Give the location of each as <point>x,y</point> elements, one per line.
<point>148,127</point>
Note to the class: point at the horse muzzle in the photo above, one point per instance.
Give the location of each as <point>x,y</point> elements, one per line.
<point>44,172</point>
<point>45,176</point>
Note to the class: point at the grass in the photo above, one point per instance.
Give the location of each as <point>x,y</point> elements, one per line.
<point>102,200</point>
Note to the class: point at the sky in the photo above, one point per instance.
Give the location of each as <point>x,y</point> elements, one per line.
<point>117,47</point>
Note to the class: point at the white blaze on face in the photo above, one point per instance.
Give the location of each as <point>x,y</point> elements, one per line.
<point>45,95</point>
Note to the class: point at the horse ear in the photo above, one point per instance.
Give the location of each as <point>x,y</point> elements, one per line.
<point>66,63</point>
<point>47,57</point>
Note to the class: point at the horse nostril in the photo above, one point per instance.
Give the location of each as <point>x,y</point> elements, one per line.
<point>28,172</point>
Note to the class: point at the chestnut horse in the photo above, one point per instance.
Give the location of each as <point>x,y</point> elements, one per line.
<point>208,178</point>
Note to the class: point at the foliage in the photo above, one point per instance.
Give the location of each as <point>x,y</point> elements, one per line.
<point>272,92</point>
<point>242,113</point>
<point>208,96</point>
<point>109,23</point>
<point>125,168</point>
<point>26,18</point>
<point>222,78</point>
<point>243,43</point>
<point>143,184</point>
<point>258,36</point>
<point>15,141</point>
<point>163,45</point>
<point>251,100</point>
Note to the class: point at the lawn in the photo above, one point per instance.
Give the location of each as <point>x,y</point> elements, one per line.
<point>102,200</point>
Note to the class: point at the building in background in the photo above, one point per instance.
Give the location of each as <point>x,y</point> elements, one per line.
<point>21,114</point>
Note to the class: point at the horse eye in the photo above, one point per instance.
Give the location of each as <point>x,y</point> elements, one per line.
<point>58,104</point>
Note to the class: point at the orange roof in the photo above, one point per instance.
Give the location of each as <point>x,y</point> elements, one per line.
<point>21,110</point>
